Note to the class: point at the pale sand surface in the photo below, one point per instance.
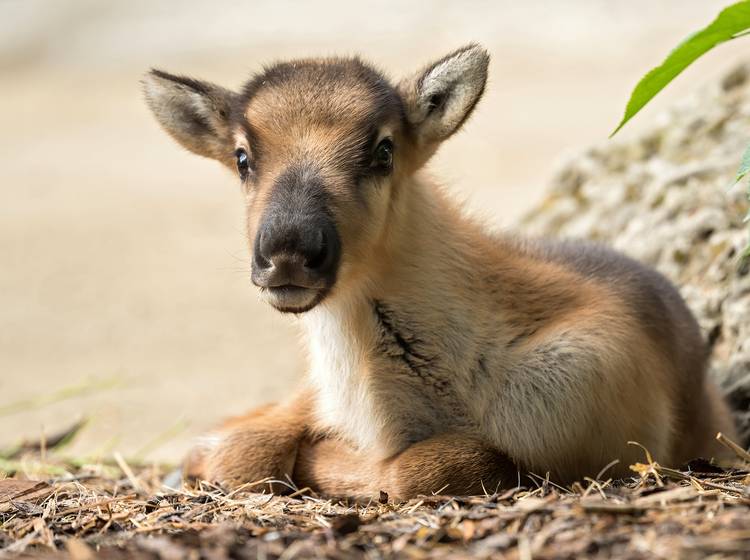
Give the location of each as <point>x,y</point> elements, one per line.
<point>123,257</point>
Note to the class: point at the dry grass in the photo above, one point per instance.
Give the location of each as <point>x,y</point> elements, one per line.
<point>53,509</point>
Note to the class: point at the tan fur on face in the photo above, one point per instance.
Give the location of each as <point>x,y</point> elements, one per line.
<point>324,123</point>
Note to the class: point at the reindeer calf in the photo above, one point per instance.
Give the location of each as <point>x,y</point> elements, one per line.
<point>443,357</point>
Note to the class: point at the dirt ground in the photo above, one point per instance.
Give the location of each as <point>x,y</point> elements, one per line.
<point>98,511</point>
<point>123,264</point>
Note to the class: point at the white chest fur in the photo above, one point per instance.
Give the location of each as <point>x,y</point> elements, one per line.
<point>341,341</point>
<point>380,383</point>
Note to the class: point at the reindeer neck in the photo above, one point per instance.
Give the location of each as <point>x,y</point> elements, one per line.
<point>390,328</point>
<point>425,249</point>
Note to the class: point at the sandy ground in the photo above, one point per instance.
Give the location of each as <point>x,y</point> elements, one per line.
<point>122,257</point>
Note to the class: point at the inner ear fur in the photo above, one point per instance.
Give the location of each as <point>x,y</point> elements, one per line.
<point>439,98</point>
<point>194,112</point>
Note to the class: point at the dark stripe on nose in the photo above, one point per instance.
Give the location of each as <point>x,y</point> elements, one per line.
<point>298,201</point>
<point>297,242</point>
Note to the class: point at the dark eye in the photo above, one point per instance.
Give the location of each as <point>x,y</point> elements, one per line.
<point>243,163</point>
<point>383,158</point>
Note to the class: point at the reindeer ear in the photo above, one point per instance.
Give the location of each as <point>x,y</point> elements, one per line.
<point>194,113</point>
<point>439,98</point>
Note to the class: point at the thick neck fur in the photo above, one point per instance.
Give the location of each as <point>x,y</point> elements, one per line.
<point>388,353</point>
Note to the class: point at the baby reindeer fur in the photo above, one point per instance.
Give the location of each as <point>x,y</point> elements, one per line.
<point>443,357</point>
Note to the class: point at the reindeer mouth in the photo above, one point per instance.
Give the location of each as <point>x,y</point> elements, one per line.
<point>293,299</point>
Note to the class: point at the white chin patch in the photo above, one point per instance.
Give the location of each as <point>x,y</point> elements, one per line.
<point>291,298</point>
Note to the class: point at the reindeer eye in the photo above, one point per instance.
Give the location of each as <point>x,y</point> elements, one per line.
<point>383,158</point>
<point>243,163</point>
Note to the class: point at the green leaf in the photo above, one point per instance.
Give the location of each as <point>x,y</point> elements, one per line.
<point>730,23</point>
<point>744,260</point>
<point>744,166</point>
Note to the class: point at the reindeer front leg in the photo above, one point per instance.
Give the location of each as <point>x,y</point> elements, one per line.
<point>450,463</point>
<point>259,445</point>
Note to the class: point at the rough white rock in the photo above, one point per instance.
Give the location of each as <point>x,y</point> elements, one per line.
<point>664,199</point>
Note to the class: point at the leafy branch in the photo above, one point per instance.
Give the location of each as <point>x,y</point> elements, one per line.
<point>731,23</point>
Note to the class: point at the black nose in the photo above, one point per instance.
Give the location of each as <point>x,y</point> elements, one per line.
<point>301,254</point>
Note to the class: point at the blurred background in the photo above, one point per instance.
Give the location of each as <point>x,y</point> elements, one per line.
<point>125,294</point>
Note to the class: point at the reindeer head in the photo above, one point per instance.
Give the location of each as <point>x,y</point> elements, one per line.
<point>321,147</point>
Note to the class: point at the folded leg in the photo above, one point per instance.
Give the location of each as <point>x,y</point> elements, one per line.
<point>450,463</point>
<point>260,445</point>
